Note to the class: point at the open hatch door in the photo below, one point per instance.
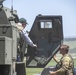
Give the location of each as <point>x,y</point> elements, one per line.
<point>47,33</point>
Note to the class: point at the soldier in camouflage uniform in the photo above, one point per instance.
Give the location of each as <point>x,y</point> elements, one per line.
<point>66,64</point>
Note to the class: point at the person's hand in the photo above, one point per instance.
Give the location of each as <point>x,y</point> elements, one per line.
<point>52,73</point>
<point>34,45</point>
<point>54,57</point>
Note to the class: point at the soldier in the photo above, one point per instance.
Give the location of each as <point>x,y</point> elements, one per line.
<point>66,64</point>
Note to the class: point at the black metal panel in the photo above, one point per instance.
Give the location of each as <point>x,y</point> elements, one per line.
<point>47,33</point>
<point>5,70</point>
<point>20,68</point>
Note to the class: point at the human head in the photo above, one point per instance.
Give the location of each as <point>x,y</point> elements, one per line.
<point>23,22</point>
<point>64,49</point>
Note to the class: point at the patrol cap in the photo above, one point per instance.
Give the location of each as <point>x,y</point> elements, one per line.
<point>66,47</point>
<point>22,20</point>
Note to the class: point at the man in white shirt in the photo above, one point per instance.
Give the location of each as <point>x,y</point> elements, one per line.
<point>23,39</point>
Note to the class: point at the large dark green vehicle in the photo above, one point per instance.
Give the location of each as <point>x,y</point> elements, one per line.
<point>46,32</point>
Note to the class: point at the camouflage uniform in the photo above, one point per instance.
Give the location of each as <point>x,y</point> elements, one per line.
<point>65,66</point>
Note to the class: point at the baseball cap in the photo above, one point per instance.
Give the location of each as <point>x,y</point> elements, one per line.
<point>22,20</point>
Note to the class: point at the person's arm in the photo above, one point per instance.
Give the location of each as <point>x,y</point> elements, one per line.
<point>54,57</point>
<point>28,40</point>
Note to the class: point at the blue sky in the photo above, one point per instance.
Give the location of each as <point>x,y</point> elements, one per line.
<point>29,9</point>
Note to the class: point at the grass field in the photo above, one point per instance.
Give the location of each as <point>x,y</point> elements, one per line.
<point>32,71</point>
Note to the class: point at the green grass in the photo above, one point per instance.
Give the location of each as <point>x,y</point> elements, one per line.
<point>32,71</point>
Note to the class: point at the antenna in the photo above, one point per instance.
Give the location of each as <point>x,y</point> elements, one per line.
<point>13,15</point>
<point>12,6</point>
